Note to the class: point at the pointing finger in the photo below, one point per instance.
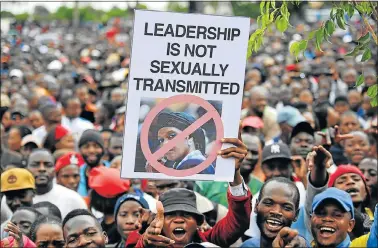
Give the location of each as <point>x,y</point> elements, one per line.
<point>160,211</point>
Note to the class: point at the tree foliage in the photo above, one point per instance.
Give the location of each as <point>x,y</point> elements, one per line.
<point>270,15</point>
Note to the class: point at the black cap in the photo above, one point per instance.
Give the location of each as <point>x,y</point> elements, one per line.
<point>304,127</point>
<point>181,199</point>
<point>91,135</point>
<point>276,150</point>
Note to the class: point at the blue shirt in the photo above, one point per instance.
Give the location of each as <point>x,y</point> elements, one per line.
<point>82,189</point>
<point>255,242</point>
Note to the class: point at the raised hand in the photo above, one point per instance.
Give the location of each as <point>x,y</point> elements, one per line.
<point>318,161</point>
<point>328,139</point>
<point>15,232</point>
<point>145,219</point>
<point>300,168</point>
<point>152,236</point>
<point>288,237</point>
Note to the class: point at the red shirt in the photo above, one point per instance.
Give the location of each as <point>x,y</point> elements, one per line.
<point>225,232</point>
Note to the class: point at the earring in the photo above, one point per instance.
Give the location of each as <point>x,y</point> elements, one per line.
<point>190,142</point>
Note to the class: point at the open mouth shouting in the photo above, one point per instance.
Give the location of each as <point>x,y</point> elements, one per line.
<point>353,192</point>
<point>179,234</point>
<point>273,225</point>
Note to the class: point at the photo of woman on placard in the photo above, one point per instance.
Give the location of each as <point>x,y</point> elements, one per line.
<point>187,153</point>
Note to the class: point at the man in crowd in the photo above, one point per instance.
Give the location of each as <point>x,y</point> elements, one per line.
<point>51,116</point>
<point>301,142</point>
<point>258,107</point>
<point>71,120</point>
<point>41,165</point>
<point>91,147</point>
<point>276,162</point>
<point>67,170</point>
<point>81,229</point>
<point>18,187</point>
<point>276,208</point>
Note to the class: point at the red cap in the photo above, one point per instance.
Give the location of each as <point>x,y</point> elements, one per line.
<point>343,169</point>
<point>291,67</point>
<point>69,159</point>
<point>60,132</point>
<point>253,121</point>
<point>107,182</point>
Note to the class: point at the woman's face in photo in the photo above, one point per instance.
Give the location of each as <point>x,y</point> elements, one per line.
<point>181,149</point>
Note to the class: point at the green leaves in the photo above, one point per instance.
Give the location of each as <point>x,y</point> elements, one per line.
<point>281,24</point>
<point>360,80</point>
<point>330,27</point>
<point>349,10</point>
<point>366,55</point>
<point>364,38</point>
<point>319,38</point>
<point>373,94</point>
<point>373,90</point>
<point>297,47</point>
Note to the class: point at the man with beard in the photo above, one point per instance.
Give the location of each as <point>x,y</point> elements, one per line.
<point>91,147</point>
<point>115,145</point>
<point>81,229</point>
<point>258,107</point>
<point>41,165</point>
<point>276,208</point>
<point>332,218</point>
<point>301,142</point>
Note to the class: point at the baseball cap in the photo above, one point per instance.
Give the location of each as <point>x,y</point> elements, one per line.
<point>304,127</point>
<point>338,195</point>
<point>17,179</point>
<point>290,115</point>
<point>180,199</point>
<point>30,139</point>
<point>73,158</point>
<point>276,150</point>
<point>21,111</point>
<point>107,182</point>
<point>252,121</point>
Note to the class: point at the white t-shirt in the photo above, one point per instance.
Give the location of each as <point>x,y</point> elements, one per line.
<point>254,230</point>
<point>40,133</point>
<point>77,126</point>
<point>65,199</point>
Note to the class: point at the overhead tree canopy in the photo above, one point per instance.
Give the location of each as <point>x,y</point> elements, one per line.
<point>277,15</point>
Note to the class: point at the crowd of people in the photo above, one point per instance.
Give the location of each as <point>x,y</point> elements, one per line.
<point>305,159</point>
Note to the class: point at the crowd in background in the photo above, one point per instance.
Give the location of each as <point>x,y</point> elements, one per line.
<point>308,139</point>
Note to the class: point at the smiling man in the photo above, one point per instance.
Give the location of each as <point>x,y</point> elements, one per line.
<point>332,218</point>
<point>276,208</point>
<point>92,149</point>
<point>41,165</point>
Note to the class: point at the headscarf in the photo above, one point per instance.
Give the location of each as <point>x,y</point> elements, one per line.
<point>179,120</point>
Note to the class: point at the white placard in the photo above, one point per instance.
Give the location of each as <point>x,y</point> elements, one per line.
<point>185,93</point>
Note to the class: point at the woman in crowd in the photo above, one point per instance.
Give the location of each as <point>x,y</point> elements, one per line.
<point>187,153</point>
